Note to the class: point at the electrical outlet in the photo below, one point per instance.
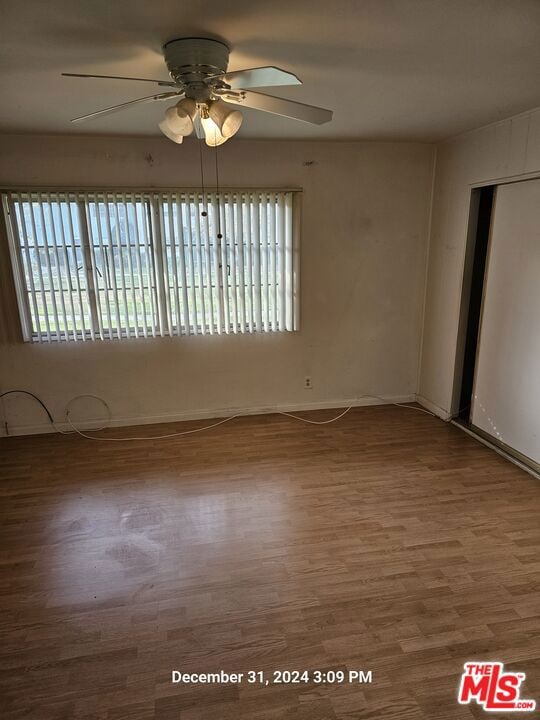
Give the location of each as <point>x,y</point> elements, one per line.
<point>308,385</point>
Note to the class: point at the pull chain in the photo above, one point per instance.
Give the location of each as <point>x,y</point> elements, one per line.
<point>219,235</point>
<point>204,212</point>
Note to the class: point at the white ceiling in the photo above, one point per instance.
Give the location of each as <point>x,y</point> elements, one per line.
<point>390,69</point>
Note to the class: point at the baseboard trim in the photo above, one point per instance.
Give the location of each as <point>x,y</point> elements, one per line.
<point>44,428</point>
<point>435,409</point>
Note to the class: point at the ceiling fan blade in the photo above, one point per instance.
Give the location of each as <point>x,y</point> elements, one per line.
<point>258,77</point>
<point>280,106</point>
<point>117,108</point>
<point>166,83</point>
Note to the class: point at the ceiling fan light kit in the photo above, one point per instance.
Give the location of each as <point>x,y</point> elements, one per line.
<point>219,121</point>
<point>204,91</point>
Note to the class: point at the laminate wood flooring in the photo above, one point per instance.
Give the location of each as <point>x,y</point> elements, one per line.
<point>388,541</point>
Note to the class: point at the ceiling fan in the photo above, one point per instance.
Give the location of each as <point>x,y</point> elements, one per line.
<point>204,91</point>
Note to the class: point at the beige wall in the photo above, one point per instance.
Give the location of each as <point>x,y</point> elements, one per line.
<point>509,149</point>
<point>364,229</point>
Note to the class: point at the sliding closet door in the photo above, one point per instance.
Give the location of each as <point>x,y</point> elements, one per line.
<point>506,396</point>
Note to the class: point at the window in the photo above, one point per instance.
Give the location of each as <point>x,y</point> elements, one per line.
<point>106,265</point>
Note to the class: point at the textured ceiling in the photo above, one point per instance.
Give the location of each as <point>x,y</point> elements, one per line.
<point>390,69</point>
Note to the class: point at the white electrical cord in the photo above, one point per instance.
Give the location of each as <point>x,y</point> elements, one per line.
<point>220,422</point>
<point>76,430</point>
<point>403,405</point>
<point>153,437</point>
<point>78,397</point>
<point>316,422</point>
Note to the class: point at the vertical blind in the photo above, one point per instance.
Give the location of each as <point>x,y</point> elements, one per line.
<point>106,265</point>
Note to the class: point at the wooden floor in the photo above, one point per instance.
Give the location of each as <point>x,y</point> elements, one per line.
<point>388,541</point>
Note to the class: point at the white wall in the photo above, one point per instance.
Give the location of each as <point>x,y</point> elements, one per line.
<point>364,230</point>
<point>504,150</point>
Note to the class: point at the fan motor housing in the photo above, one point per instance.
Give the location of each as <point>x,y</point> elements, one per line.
<point>192,60</point>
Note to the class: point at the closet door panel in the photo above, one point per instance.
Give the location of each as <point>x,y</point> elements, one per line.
<point>506,396</point>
